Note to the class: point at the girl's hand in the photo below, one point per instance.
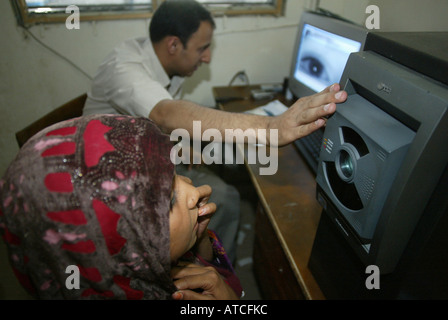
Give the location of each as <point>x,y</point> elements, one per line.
<point>195,282</point>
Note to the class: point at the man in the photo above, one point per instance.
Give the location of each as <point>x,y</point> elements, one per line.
<point>143,77</point>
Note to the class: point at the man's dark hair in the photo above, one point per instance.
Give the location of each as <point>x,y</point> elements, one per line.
<point>180,18</point>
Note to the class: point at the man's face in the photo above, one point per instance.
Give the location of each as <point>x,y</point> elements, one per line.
<point>196,52</point>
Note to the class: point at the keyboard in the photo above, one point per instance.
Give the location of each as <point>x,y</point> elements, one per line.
<point>310,146</point>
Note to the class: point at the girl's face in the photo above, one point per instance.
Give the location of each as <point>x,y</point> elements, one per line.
<point>183,217</point>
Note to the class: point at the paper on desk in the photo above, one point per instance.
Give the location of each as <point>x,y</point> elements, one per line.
<point>273,108</point>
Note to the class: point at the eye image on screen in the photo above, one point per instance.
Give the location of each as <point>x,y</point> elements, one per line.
<point>322,57</point>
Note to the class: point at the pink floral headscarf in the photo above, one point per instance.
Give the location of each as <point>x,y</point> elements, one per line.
<point>94,193</point>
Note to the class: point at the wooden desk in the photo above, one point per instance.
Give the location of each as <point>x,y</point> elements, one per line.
<point>288,214</point>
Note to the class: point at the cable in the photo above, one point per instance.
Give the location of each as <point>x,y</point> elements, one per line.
<point>240,75</point>
<point>57,53</point>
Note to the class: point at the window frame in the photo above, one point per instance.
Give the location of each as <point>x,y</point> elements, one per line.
<point>246,9</point>
<point>27,19</point>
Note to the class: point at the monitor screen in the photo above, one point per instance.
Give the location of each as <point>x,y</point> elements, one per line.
<point>323,45</point>
<point>322,57</point>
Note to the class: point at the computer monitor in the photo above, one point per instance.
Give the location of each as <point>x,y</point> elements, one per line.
<point>322,47</point>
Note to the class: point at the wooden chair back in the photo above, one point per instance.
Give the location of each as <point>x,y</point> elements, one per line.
<point>69,110</point>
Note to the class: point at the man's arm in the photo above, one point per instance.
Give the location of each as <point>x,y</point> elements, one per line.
<point>303,117</point>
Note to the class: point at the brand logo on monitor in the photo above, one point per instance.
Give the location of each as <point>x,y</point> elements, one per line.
<point>384,87</point>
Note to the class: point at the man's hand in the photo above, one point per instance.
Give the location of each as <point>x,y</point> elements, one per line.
<point>196,282</point>
<point>306,115</point>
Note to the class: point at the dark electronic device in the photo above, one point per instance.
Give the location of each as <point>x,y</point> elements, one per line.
<point>382,173</point>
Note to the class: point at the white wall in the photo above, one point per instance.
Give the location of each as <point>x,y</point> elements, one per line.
<point>34,81</point>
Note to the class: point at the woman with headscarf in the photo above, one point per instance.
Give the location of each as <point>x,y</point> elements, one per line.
<point>91,208</point>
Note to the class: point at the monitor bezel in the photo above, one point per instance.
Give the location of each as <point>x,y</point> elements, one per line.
<point>329,24</point>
